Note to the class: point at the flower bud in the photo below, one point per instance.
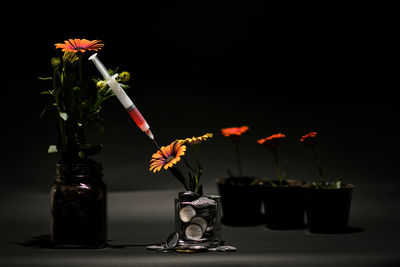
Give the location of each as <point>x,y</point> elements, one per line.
<point>55,62</point>
<point>124,76</point>
<point>101,85</point>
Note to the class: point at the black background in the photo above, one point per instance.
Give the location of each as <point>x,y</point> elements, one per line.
<point>199,66</point>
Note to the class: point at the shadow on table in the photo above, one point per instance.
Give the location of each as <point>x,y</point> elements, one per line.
<point>44,242</point>
<point>348,230</point>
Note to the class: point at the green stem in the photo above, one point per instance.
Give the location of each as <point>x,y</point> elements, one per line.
<point>62,131</point>
<point>277,167</point>
<point>238,158</point>
<point>54,79</point>
<point>80,69</point>
<point>321,173</point>
<point>197,174</point>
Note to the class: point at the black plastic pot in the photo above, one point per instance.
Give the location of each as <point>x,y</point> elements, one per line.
<point>241,199</point>
<point>285,206</point>
<point>328,209</point>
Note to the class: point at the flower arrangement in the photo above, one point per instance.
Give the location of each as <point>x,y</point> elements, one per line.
<point>234,134</point>
<point>310,141</point>
<point>167,158</point>
<point>272,143</point>
<point>76,101</point>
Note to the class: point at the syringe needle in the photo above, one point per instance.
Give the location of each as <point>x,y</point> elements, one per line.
<point>155,142</point>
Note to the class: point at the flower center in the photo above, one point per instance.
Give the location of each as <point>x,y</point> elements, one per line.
<point>169,158</point>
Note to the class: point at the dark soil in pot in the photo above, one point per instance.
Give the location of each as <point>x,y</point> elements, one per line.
<point>328,209</point>
<point>241,201</point>
<point>78,205</point>
<point>285,206</point>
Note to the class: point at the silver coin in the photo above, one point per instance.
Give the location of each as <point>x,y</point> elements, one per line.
<point>203,202</point>
<point>200,221</point>
<point>166,250</point>
<point>155,247</point>
<point>226,248</point>
<point>172,240</point>
<point>194,232</point>
<point>199,247</point>
<point>187,213</point>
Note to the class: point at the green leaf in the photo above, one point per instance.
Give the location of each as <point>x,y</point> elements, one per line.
<point>188,165</point>
<point>337,184</point>
<point>45,78</point>
<point>64,116</point>
<point>52,149</point>
<point>46,108</point>
<point>47,92</point>
<point>178,175</point>
<point>191,182</point>
<point>271,183</point>
<point>316,186</point>
<point>81,154</point>
<point>93,150</point>
<point>125,86</point>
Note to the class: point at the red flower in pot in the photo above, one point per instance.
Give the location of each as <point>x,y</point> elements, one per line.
<point>328,203</point>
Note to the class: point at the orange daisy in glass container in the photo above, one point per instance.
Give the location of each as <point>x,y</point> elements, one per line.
<point>167,156</point>
<point>79,45</point>
<point>272,141</point>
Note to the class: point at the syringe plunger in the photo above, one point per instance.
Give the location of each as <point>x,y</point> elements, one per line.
<point>103,71</point>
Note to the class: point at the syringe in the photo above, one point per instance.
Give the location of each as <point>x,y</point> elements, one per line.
<point>123,98</point>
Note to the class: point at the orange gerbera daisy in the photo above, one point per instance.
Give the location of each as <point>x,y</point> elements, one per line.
<point>167,156</point>
<point>79,45</point>
<point>309,139</point>
<point>271,141</point>
<point>197,140</point>
<point>234,131</point>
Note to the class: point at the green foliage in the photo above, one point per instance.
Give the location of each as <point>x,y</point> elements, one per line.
<point>73,106</point>
<point>325,185</point>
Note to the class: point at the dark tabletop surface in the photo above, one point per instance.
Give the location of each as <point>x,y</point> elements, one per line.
<point>139,218</point>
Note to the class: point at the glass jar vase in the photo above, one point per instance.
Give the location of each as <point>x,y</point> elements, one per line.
<point>198,219</point>
<point>78,206</point>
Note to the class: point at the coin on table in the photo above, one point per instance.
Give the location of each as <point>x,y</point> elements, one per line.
<point>226,248</point>
<point>155,247</point>
<point>172,240</point>
<point>194,232</point>
<point>187,213</point>
<point>192,249</point>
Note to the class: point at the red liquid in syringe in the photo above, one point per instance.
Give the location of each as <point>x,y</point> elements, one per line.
<point>137,117</point>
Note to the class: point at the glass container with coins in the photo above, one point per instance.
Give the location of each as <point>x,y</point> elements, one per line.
<point>198,219</point>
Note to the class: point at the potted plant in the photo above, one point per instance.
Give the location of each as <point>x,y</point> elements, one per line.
<point>197,216</point>
<point>284,199</point>
<point>78,198</point>
<point>241,195</point>
<point>328,203</point>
